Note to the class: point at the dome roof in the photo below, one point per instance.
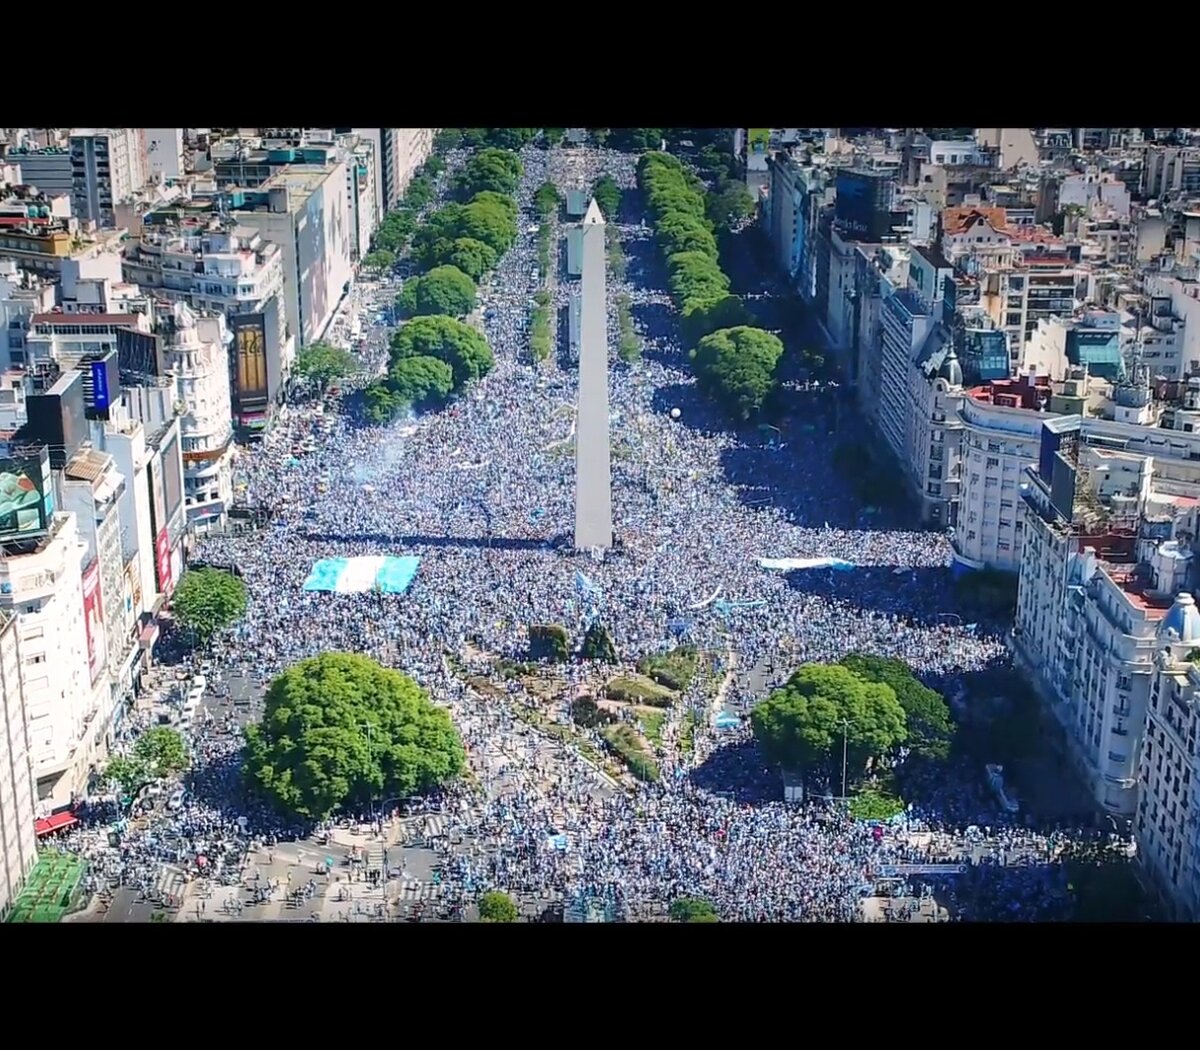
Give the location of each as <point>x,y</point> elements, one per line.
<point>1183,619</point>
<point>951,370</point>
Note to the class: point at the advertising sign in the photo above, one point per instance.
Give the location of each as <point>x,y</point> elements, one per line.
<point>158,498</point>
<point>101,396</point>
<point>759,139</point>
<point>172,480</point>
<point>26,495</point>
<point>250,350</point>
<point>93,620</point>
<point>133,579</point>
<point>162,560</point>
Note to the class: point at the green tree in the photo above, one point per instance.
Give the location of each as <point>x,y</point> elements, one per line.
<point>341,731</point>
<point>420,381</point>
<point>458,344</point>
<point>495,170</point>
<point>927,715</point>
<point>380,405</point>
<point>692,909</point>
<point>695,277</point>
<point>635,140</point>
<point>448,139</point>
<point>553,136</point>
<point>207,601</point>
<point>495,906</point>
<point>607,194</point>
<point>801,725</point>
<point>322,364</point>
<point>547,199</point>
<point>549,641</point>
<point>511,138</point>
<point>702,318</point>
<point>395,230</point>
<point>473,138</point>
<point>381,260</point>
<point>598,645</point>
<point>128,774</point>
<point>729,206</point>
<point>473,257</point>
<point>681,232</point>
<point>162,751</point>
<point>445,291</point>
<point>433,166</point>
<point>737,366</point>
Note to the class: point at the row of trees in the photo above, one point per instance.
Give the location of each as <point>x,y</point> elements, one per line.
<point>158,752</point>
<point>872,705</point>
<point>436,354</point>
<point>734,361</point>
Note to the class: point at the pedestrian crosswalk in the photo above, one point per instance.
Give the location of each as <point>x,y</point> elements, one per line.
<point>410,890</point>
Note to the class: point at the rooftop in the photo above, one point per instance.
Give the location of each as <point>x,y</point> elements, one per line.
<point>87,465</point>
<point>961,219</point>
<point>57,318</point>
<point>933,256</point>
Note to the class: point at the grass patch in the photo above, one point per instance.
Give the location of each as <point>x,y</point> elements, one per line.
<point>875,803</point>
<point>687,733</point>
<point>627,745</point>
<point>635,689</point>
<point>652,723</point>
<point>675,669</point>
<point>541,333</point>
<point>482,685</point>
<point>629,346</point>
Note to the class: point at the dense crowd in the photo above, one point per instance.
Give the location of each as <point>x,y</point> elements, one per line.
<point>483,493</point>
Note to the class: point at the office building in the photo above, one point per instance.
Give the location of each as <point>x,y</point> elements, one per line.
<point>304,210</point>
<point>18,845</point>
<point>165,154</point>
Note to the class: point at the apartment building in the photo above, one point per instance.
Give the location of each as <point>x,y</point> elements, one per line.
<point>1170,171</point>
<point>165,154</point>
<point>1167,825</point>
<point>108,166</point>
<point>215,265</point>
<point>18,844</point>
<point>1106,554</point>
<point>198,356</point>
<point>41,248</point>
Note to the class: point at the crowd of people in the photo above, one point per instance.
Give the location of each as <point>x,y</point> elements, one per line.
<point>483,493</point>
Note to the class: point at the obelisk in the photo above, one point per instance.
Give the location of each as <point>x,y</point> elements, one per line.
<point>593,469</point>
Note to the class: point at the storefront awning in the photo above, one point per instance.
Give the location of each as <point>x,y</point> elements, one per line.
<point>49,825</point>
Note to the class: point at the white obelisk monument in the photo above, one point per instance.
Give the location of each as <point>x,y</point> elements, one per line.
<point>593,469</point>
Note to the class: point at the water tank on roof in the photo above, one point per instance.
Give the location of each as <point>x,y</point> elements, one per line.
<point>44,211</point>
<point>32,211</point>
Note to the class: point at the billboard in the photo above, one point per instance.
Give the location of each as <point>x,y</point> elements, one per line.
<point>758,139</point>
<point>138,352</point>
<point>133,585</point>
<point>56,418</point>
<point>250,388</point>
<point>162,560</point>
<point>93,620</point>
<point>169,461</point>
<point>26,495</point>
<point>158,496</point>
<point>102,385</point>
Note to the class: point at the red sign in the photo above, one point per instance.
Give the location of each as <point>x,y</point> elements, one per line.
<point>162,558</point>
<point>93,620</point>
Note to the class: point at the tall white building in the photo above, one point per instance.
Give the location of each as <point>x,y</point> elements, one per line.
<point>108,168</point>
<point>401,151</point>
<point>164,154</point>
<point>18,845</point>
<point>362,177</point>
<point>198,355</point>
<point>41,584</point>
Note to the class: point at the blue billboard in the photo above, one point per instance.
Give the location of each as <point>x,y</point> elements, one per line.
<point>101,396</point>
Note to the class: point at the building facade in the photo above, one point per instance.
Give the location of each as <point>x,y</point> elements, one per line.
<point>18,845</point>
<point>108,166</point>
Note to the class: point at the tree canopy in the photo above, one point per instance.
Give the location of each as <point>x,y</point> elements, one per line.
<point>420,381</point>
<point>730,205</point>
<point>457,344</point>
<point>207,601</point>
<point>800,726</point>
<point>488,218</point>
<point>444,291</point>
<point>473,257</point>
<point>495,906</point>
<point>692,909</point>
<point>511,138</point>
<point>683,232</point>
<point>380,260</point>
<point>395,230</point>
<point>737,366</point>
<point>635,140</point>
<point>927,715</point>
<point>322,364</point>
<point>162,751</point>
<point>341,731</point>
<point>608,195</point>
<point>695,277</point>
<point>495,170</point>
<point>702,318</point>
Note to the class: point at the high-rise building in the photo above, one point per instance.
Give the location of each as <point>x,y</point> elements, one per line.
<point>108,166</point>
<point>198,355</point>
<point>164,154</point>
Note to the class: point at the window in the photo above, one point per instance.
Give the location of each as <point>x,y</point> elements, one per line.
<point>992,461</point>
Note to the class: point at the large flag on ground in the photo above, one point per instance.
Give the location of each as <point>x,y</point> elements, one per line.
<point>384,574</point>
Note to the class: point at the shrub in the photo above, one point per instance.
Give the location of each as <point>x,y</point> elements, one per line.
<point>598,645</point>
<point>872,803</point>
<point>587,713</point>
<point>627,746</point>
